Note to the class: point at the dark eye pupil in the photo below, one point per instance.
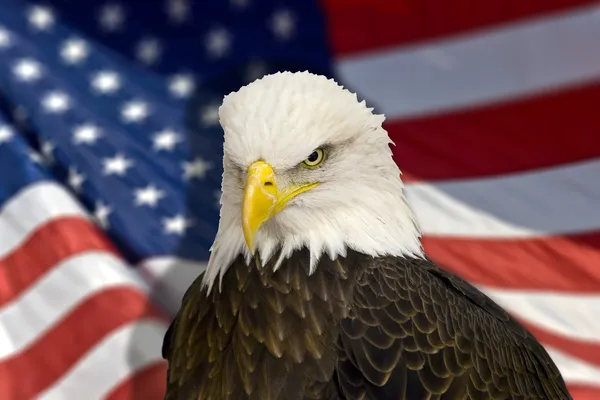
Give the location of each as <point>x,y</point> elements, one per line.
<point>313,157</point>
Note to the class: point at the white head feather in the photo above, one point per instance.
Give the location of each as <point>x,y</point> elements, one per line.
<point>359,203</point>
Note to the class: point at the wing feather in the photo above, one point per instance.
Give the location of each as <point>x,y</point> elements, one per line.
<point>418,332</point>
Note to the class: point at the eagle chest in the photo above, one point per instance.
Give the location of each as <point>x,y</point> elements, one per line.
<point>281,326</point>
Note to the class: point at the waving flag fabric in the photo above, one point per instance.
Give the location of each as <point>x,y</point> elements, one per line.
<point>110,163</point>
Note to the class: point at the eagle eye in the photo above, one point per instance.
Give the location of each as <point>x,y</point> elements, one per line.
<point>314,159</point>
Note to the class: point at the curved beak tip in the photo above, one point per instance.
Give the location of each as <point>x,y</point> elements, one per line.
<point>249,239</point>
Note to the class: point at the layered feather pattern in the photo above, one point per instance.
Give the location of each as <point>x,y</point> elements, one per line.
<point>358,328</point>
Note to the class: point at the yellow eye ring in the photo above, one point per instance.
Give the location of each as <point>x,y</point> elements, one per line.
<point>314,159</point>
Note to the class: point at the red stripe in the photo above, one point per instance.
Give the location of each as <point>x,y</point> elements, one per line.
<point>46,360</point>
<point>580,392</point>
<point>49,245</point>
<point>362,28</point>
<point>586,351</point>
<point>527,134</point>
<point>147,384</point>
<point>552,263</point>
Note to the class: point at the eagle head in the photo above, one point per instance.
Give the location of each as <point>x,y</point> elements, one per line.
<point>306,165</point>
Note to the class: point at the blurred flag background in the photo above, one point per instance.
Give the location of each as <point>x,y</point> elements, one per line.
<point>110,163</point>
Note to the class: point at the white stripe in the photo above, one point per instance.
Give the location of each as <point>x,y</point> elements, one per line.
<point>32,207</point>
<point>571,315</point>
<point>519,59</point>
<point>560,200</point>
<point>111,361</point>
<point>169,278</point>
<point>574,370</point>
<point>45,303</point>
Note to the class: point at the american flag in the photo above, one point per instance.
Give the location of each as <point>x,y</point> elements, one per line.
<point>110,163</point>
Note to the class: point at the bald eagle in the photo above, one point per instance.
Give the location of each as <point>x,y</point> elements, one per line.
<point>317,285</point>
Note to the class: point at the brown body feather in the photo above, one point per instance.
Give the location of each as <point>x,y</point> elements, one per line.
<point>358,328</point>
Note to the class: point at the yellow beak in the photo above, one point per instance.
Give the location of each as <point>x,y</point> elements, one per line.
<point>263,200</point>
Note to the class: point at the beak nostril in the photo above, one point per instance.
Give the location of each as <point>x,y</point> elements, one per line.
<point>268,183</point>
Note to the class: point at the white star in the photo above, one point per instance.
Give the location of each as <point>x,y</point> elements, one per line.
<point>105,82</point>
<point>282,24</point>
<point>181,85</point>
<point>239,3</point>
<point>35,157</point>
<point>41,18</point>
<point>134,111</point>
<point>56,102</point>
<point>210,115</point>
<point>6,134</point>
<point>218,42</point>
<point>197,168</point>
<point>74,51</point>
<point>149,196</point>
<point>47,149</point>
<point>177,224</point>
<point>166,140</point>
<point>178,10</point>
<point>75,179</point>
<point>148,51</point>
<point>112,17</point>
<point>101,214</point>
<point>5,39</point>
<point>118,165</point>
<point>27,70</point>
<point>86,134</point>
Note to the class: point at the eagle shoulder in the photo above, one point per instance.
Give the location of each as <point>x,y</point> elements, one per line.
<point>420,331</point>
